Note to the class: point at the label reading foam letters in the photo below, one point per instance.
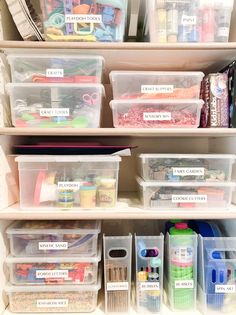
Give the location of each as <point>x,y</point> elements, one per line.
<point>83,18</point>
<point>52,303</point>
<point>157,89</point>
<point>53,245</point>
<point>117,286</point>
<point>45,274</point>
<point>189,198</point>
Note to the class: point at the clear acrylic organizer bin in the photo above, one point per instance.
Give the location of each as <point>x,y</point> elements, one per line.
<point>181,272</point>
<point>217,275</point>
<point>50,238</point>
<point>117,252</point>
<point>68,181</point>
<point>186,167</point>
<point>149,254</point>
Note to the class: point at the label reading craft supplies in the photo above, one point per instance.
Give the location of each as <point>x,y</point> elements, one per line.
<point>189,198</point>
<point>149,286</point>
<point>156,116</point>
<point>184,284</point>
<point>117,286</point>
<point>225,288</point>
<point>53,245</point>
<point>52,303</point>
<point>189,20</point>
<point>83,18</point>
<point>157,89</point>
<point>47,274</point>
<point>188,171</point>
<point>54,73</point>
<point>69,185</point>
<point>54,112</point>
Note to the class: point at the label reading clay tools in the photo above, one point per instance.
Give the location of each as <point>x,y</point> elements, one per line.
<point>188,171</point>
<point>189,20</point>
<point>149,286</point>
<point>157,89</point>
<point>52,303</point>
<point>83,18</point>
<point>47,274</point>
<point>54,112</point>
<point>69,185</point>
<point>225,288</point>
<point>53,245</point>
<point>184,284</point>
<point>156,116</point>
<point>189,198</point>
<point>117,286</point>
<point>54,73</point>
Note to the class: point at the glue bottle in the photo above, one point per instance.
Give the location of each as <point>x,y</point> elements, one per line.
<point>172,23</point>
<point>161,21</point>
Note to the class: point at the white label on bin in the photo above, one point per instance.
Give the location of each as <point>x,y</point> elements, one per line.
<point>54,112</point>
<point>83,18</point>
<point>189,20</point>
<point>149,286</point>
<point>69,185</point>
<point>184,284</point>
<point>156,116</point>
<point>157,89</point>
<point>225,288</point>
<point>223,32</point>
<point>53,245</point>
<point>54,73</point>
<point>117,286</point>
<point>45,274</point>
<point>52,303</point>
<point>188,171</point>
<point>189,198</point>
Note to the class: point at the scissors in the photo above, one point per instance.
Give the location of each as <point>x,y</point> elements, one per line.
<point>90,99</point>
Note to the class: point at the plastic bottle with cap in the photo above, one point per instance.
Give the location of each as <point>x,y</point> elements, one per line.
<point>207,20</point>
<point>223,11</point>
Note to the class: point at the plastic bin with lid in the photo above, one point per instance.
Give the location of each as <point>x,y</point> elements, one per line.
<point>54,238</point>
<point>156,113</point>
<point>186,167</point>
<point>148,85</point>
<point>55,105</point>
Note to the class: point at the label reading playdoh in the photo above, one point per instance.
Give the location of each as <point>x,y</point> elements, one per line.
<point>117,286</point>
<point>189,198</point>
<point>52,303</point>
<point>188,171</point>
<point>156,116</point>
<point>225,288</point>
<point>184,284</point>
<point>45,274</point>
<point>53,245</point>
<point>83,18</point>
<point>149,286</point>
<point>54,73</point>
<point>189,20</point>
<point>69,185</point>
<point>54,112</point>
<point>157,89</point>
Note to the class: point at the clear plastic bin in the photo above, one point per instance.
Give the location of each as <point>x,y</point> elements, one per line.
<point>186,167</point>
<point>53,299</point>
<point>84,21</point>
<point>217,277</point>
<point>48,68</point>
<point>117,252</point>
<point>53,270</point>
<point>56,105</point>
<point>148,85</point>
<point>156,113</point>
<point>189,21</point>
<point>181,271</point>
<point>186,195</point>
<point>65,182</point>
<point>149,273</point>
<point>50,238</point>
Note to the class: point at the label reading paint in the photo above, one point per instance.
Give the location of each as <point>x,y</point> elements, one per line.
<point>189,198</point>
<point>223,32</point>
<point>69,185</point>
<point>52,303</point>
<point>54,112</point>
<point>149,286</point>
<point>156,116</point>
<point>189,20</point>
<point>45,274</point>
<point>157,89</point>
<point>225,288</point>
<point>54,73</point>
<point>53,245</point>
<point>117,286</point>
<point>83,18</point>
<point>184,284</point>
<point>188,171</point>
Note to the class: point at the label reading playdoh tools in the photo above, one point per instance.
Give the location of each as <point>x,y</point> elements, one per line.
<point>54,73</point>
<point>52,303</point>
<point>149,286</point>
<point>54,112</point>
<point>184,284</point>
<point>46,274</point>
<point>189,198</point>
<point>53,245</point>
<point>225,288</point>
<point>83,18</point>
<point>117,286</point>
<point>157,89</point>
<point>156,116</point>
<point>188,171</point>
<point>189,20</point>
<point>69,185</point>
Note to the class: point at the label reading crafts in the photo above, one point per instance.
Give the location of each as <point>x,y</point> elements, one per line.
<point>188,171</point>
<point>189,198</point>
<point>83,18</point>
<point>54,73</point>
<point>157,89</point>
<point>54,112</point>
<point>53,245</point>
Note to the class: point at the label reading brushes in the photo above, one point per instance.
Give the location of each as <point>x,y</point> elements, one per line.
<point>231,289</point>
<point>184,284</point>
<point>118,286</point>
<point>149,286</point>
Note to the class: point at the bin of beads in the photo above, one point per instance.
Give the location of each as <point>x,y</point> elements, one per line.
<point>54,238</point>
<point>186,167</point>
<point>51,68</point>
<point>156,113</point>
<point>84,21</point>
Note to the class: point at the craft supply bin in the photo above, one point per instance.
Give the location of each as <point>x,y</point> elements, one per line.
<point>216,276</point>
<point>49,238</point>
<point>65,182</point>
<point>53,299</point>
<point>117,251</point>
<point>186,167</point>
<point>189,21</point>
<point>149,254</point>
<point>185,195</point>
<point>181,271</point>
<point>55,105</point>
<point>55,68</point>
<point>155,84</point>
<point>156,113</point>
<point>91,21</point>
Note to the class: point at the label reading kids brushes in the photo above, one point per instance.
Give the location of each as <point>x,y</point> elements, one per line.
<point>54,73</point>
<point>188,171</point>
<point>54,112</point>
<point>45,274</point>
<point>69,185</point>
<point>117,286</point>
<point>83,18</point>
<point>149,286</point>
<point>156,116</point>
<point>189,198</point>
<point>157,89</point>
<point>184,284</point>
<point>53,245</point>
<point>225,288</point>
<point>52,303</point>
<point>189,20</point>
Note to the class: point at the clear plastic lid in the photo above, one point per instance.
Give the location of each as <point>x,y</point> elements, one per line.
<point>187,156</point>
<point>113,74</point>
<point>68,158</point>
<point>115,103</point>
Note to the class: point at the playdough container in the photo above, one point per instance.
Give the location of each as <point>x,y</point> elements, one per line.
<point>56,105</point>
<point>84,21</point>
